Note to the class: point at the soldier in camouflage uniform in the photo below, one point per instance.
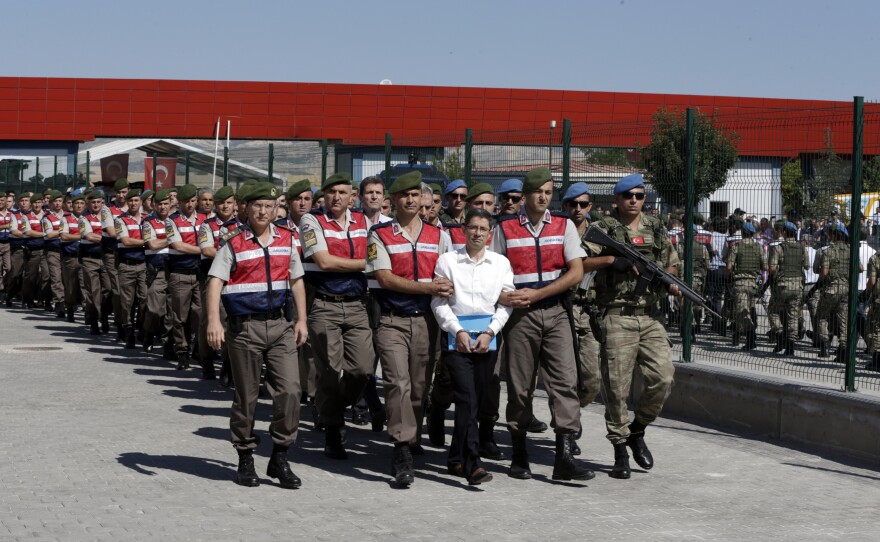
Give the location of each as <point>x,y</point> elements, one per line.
<point>873,335</point>
<point>832,265</point>
<point>788,260</point>
<point>701,270</point>
<point>745,261</point>
<point>630,329</point>
<point>775,307</point>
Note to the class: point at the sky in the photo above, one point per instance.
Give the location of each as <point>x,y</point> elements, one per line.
<point>805,49</point>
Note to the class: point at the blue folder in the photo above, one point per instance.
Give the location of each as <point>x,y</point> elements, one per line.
<point>474,324</point>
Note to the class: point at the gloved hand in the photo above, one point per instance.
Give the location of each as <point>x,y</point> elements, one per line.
<point>622,265</point>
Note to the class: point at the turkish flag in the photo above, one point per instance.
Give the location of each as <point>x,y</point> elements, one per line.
<point>166,170</point>
<point>114,168</point>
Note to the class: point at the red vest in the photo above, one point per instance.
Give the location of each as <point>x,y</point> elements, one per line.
<point>87,247</point>
<point>133,228</point>
<point>189,235</point>
<point>70,247</point>
<point>351,244</point>
<point>458,235</point>
<point>156,258</point>
<point>34,243</point>
<point>5,220</point>
<point>54,224</point>
<point>409,262</point>
<point>536,261</point>
<point>249,289</point>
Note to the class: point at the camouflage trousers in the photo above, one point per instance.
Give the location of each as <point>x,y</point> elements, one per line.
<point>832,303</point>
<point>588,348</point>
<point>696,310</point>
<point>786,299</point>
<point>744,292</point>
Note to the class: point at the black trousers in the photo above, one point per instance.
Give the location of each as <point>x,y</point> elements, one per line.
<point>471,376</point>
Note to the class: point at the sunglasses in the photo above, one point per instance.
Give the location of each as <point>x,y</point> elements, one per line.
<point>630,195</point>
<point>457,196</point>
<point>514,199</point>
<point>581,204</point>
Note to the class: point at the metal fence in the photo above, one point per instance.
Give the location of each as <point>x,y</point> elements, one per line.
<point>807,168</point>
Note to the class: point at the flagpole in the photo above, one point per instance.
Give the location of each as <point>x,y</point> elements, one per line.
<point>216,148</point>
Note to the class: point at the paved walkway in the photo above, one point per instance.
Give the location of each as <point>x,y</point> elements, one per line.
<point>101,444</point>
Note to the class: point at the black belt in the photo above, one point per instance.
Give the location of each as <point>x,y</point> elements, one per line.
<point>4,241</point>
<point>337,298</point>
<point>386,312</point>
<point>259,317</point>
<point>184,271</point>
<point>52,249</point>
<point>547,303</point>
<point>91,257</point>
<point>627,311</point>
<point>130,261</point>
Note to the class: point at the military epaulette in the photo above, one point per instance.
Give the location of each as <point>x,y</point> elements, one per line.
<point>233,220</point>
<point>231,233</point>
<point>386,225</point>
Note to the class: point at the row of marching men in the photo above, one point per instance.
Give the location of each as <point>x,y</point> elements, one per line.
<point>370,284</point>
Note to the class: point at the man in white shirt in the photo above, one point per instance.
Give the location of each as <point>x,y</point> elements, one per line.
<point>478,276</point>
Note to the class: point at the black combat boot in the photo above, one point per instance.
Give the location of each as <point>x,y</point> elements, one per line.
<point>182,360</point>
<point>149,340</point>
<point>536,426</point>
<point>751,340</point>
<point>279,468</point>
<point>129,338</point>
<point>575,449</point>
<point>789,347</point>
<point>780,343</point>
<point>378,419</point>
<point>636,443</point>
<point>621,468</point>
<point>488,448</point>
<point>59,310</point>
<point>333,447</point>
<point>823,349</point>
<point>94,330</point>
<point>519,465</point>
<point>841,356</point>
<point>70,312</point>
<point>735,340</point>
<point>105,323</point>
<point>208,371</point>
<point>168,351</point>
<point>402,465</point>
<point>437,426</point>
<point>246,475</point>
<point>565,467</point>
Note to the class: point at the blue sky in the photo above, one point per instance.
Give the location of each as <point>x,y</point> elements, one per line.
<point>808,49</point>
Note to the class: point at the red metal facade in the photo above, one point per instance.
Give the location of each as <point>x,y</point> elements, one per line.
<point>82,109</point>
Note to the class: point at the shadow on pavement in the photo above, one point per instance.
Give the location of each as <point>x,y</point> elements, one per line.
<point>147,464</point>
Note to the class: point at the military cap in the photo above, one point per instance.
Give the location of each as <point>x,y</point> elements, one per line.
<point>636,180</point>
<point>595,215</point>
<point>407,181</point>
<point>78,197</point>
<point>94,194</point>
<point>336,178</point>
<point>790,226</point>
<point>262,190</point>
<point>839,227</point>
<point>133,194</point>
<point>576,190</point>
<point>120,184</point>
<point>186,192</point>
<point>55,194</point>
<point>147,194</point>
<point>511,185</point>
<point>25,195</point>
<point>298,188</point>
<point>318,194</point>
<point>536,178</point>
<point>479,189</point>
<point>243,189</point>
<point>698,217</point>
<point>747,227</point>
<point>223,194</point>
<point>162,195</point>
<point>435,188</point>
<point>454,185</point>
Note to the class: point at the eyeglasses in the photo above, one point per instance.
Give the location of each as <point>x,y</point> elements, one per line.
<point>456,196</point>
<point>630,195</point>
<point>512,199</point>
<point>581,204</point>
<point>477,229</point>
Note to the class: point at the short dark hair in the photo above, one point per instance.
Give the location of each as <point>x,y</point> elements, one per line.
<point>477,212</point>
<point>368,181</point>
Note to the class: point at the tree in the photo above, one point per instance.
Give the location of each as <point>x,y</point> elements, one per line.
<point>871,175</point>
<point>665,157</point>
<point>606,157</point>
<point>831,176</point>
<point>452,165</point>
<point>793,187</point>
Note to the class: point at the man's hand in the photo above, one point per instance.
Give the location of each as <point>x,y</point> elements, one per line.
<point>673,290</point>
<point>301,333</point>
<point>442,287</point>
<point>481,345</point>
<point>216,335</point>
<point>523,298</point>
<point>463,342</point>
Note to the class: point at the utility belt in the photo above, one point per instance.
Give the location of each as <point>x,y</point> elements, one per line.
<point>238,320</point>
<point>182,271</point>
<point>388,312</point>
<point>337,298</point>
<point>129,261</point>
<point>627,311</point>
<point>549,302</point>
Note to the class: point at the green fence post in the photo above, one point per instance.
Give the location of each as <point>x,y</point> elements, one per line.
<point>20,176</point>
<point>324,161</point>
<point>387,159</point>
<point>566,155</point>
<point>687,344</point>
<point>855,214</point>
<point>272,163</point>
<point>186,167</point>
<point>226,167</point>
<point>468,154</point>
<point>89,169</point>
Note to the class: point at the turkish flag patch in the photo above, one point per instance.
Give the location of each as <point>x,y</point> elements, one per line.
<point>638,240</point>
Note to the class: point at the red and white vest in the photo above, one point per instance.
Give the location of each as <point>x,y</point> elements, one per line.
<point>51,222</point>
<point>88,248</point>
<point>408,261</point>
<point>133,229</point>
<point>70,247</point>
<point>458,235</point>
<point>536,261</point>
<point>188,234</point>
<point>5,220</point>
<point>156,258</point>
<point>351,244</point>
<point>249,289</point>
<point>36,224</point>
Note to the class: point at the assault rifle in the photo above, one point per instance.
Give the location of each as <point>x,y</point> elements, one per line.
<point>648,270</point>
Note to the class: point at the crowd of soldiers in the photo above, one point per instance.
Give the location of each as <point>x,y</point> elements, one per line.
<point>222,276</point>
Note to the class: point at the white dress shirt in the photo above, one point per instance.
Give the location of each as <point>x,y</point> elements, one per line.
<point>477,286</point>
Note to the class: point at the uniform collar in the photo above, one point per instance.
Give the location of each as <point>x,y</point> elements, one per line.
<point>524,218</point>
<point>397,229</point>
<point>249,233</point>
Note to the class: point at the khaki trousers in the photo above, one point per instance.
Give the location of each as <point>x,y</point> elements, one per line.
<point>157,305</point>
<point>186,307</point>
<point>96,287</point>
<point>52,270</point>
<point>5,262</point>
<point>109,259</point>
<point>133,287</point>
<point>31,281</point>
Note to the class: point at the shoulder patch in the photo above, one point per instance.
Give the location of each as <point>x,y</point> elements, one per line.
<point>382,225</point>
<point>310,238</point>
<point>372,251</point>
<point>203,236</point>
<point>229,234</point>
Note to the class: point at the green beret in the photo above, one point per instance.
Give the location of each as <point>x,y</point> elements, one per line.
<point>336,178</point>
<point>147,194</point>
<point>120,184</point>
<point>242,190</point>
<point>55,194</point>
<point>407,181</point>
<point>223,194</point>
<point>698,217</point>
<point>78,197</point>
<point>298,188</point>
<point>162,195</point>
<point>135,193</point>
<point>478,190</point>
<point>535,179</point>
<point>436,188</point>
<point>262,190</point>
<point>94,194</point>
<point>25,195</point>
<point>186,192</point>
<point>319,194</point>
